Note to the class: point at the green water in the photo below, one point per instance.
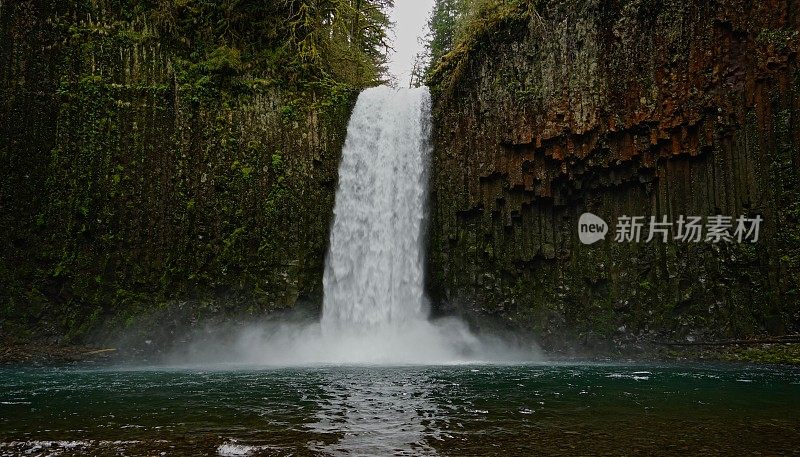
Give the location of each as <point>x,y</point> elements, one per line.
<point>554,409</point>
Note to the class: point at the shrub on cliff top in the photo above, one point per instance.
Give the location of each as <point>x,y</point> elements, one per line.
<point>458,28</point>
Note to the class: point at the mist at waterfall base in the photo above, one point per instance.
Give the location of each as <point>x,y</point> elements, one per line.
<point>281,344</point>
<point>374,309</point>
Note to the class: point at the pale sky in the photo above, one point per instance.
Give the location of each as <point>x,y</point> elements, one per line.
<point>409,17</point>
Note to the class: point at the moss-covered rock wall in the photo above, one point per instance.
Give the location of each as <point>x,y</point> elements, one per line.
<point>634,107</point>
<point>139,170</point>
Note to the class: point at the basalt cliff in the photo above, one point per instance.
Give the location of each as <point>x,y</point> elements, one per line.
<point>158,167</point>
<point>161,165</point>
<point>631,108</point>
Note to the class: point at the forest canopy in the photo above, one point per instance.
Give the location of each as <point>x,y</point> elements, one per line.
<point>454,24</point>
<point>293,40</point>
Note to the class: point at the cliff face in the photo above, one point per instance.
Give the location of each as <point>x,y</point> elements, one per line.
<point>135,172</point>
<point>635,108</point>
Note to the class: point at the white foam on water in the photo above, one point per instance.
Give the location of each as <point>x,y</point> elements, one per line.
<point>234,449</point>
<point>60,447</point>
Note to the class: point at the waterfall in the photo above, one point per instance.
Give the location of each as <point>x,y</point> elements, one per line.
<point>374,305</point>
<point>375,265</point>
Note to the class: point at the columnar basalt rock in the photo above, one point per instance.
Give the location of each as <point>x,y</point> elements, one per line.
<point>620,108</point>
<point>138,171</point>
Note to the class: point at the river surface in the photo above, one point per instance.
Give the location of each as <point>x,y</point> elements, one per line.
<point>534,409</point>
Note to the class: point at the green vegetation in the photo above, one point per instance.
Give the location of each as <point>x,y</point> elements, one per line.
<point>297,41</point>
<point>787,354</point>
<point>457,27</point>
<point>164,152</point>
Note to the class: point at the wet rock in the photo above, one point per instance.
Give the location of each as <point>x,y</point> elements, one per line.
<point>640,108</point>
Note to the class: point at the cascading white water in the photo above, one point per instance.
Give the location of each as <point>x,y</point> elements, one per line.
<point>374,309</point>
<point>374,272</point>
